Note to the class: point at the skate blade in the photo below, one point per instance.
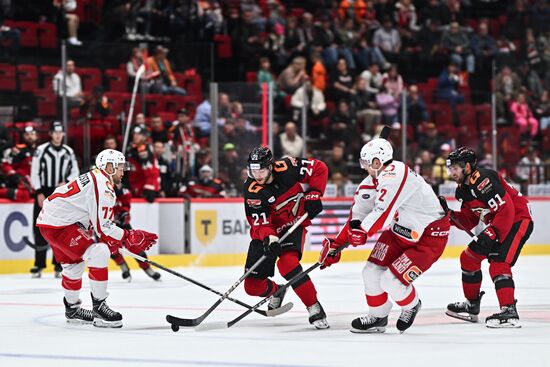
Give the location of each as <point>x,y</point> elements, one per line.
<point>321,324</point>
<point>469,318</point>
<point>78,322</point>
<point>107,324</point>
<point>374,330</point>
<point>496,324</point>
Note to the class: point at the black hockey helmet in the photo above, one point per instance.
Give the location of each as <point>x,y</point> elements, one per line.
<point>260,157</point>
<point>462,156</point>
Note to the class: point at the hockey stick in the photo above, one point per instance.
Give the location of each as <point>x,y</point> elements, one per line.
<point>297,277</point>
<point>198,320</point>
<point>32,245</point>
<point>461,226</point>
<point>268,313</point>
<point>139,73</point>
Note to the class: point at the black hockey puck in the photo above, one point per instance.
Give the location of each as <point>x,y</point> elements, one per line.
<point>175,328</point>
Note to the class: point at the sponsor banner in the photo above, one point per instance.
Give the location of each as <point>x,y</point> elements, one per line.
<point>218,227</point>
<point>16,225</point>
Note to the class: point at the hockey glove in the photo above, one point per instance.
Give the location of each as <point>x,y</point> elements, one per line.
<point>486,241</point>
<point>136,240</point>
<point>356,235</point>
<point>327,257</point>
<point>272,247</point>
<point>313,204</point>
<point>149,195</point>
<point>13,180</point>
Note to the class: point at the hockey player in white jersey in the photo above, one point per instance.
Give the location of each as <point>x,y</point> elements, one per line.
<point>391,195</point>
<point>67,221</point>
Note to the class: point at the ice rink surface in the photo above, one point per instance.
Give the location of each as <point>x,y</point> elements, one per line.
<point>34,331</point>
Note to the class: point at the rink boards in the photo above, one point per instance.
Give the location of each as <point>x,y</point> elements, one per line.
<point>214,232</point>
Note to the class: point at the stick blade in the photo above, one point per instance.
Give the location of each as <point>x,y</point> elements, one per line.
<point>182,322</point>
<point>385,133</point>
<point>279,311</point>
<point>212,326</point>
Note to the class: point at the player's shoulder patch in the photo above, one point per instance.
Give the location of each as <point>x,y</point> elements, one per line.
<point>254,187</point>
<point>474,177</point>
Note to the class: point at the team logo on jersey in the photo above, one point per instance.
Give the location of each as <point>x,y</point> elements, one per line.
<point>297,198</point>
<point>411,274</point>
<point>271,200</point>
<point>206,226</point>
<point>365,196</point>
<point>254,203</point>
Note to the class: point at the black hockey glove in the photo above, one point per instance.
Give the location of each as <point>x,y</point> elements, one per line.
<point>486,242</point>
<point>149,195</point>
<point>444,205</point>
<point>272,247</point>
<point>313,204</point>
<point>13,180</point>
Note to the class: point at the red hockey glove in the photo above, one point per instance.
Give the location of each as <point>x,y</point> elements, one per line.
<point>327,257</point>
<point>136,240</point>
<point>356,235</point>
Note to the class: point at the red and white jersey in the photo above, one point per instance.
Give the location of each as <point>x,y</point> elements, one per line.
<point>397,197</point>
<point>88,200</point>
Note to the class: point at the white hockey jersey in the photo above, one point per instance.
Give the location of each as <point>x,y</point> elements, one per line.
<point>397,197</point>
<point>88,200</point>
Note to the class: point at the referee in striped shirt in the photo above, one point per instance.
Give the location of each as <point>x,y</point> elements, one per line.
<point>53,164</point>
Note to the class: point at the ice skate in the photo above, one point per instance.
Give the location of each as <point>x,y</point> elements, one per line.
<point>104,316</point>
<point>76,314</point>
<point>369,324</point>
<point>407,317</point>
<point>317,316</point>
<point>276,301</point>
<point>155,275</point>
<point>467,311</point>
<point>506,318</point>
<point>125,272</point>
<point>36,272</point>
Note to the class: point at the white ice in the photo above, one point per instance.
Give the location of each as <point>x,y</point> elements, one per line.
<point>33,330</point>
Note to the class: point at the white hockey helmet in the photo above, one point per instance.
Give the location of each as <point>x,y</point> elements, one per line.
<point>376,148</point>
<point>110,156</point>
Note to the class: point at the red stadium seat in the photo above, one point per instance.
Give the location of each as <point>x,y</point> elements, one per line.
<point>7,77</point>
<point>167,116</point>
<point>46,103</point>
<point>251,76</point>
<point>28,77</point>
<point>174,103</point>
<point>117,101</point>
<point>47,73</point>
<point>467,115</point>
<point>29,32</point>
<point>441,114</point>
<point>47,35</point>
<point>91,78</point>
<point>155,103</point>
<point>224,46</point>
<point>484,116</point>
<point>117,80</point>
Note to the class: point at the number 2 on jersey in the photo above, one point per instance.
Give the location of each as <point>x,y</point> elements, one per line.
<point>307,170</point>
<point>257,217</point>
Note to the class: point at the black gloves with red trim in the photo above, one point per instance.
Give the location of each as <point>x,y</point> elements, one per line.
<point>487,242</point>
<point>313,205</point>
